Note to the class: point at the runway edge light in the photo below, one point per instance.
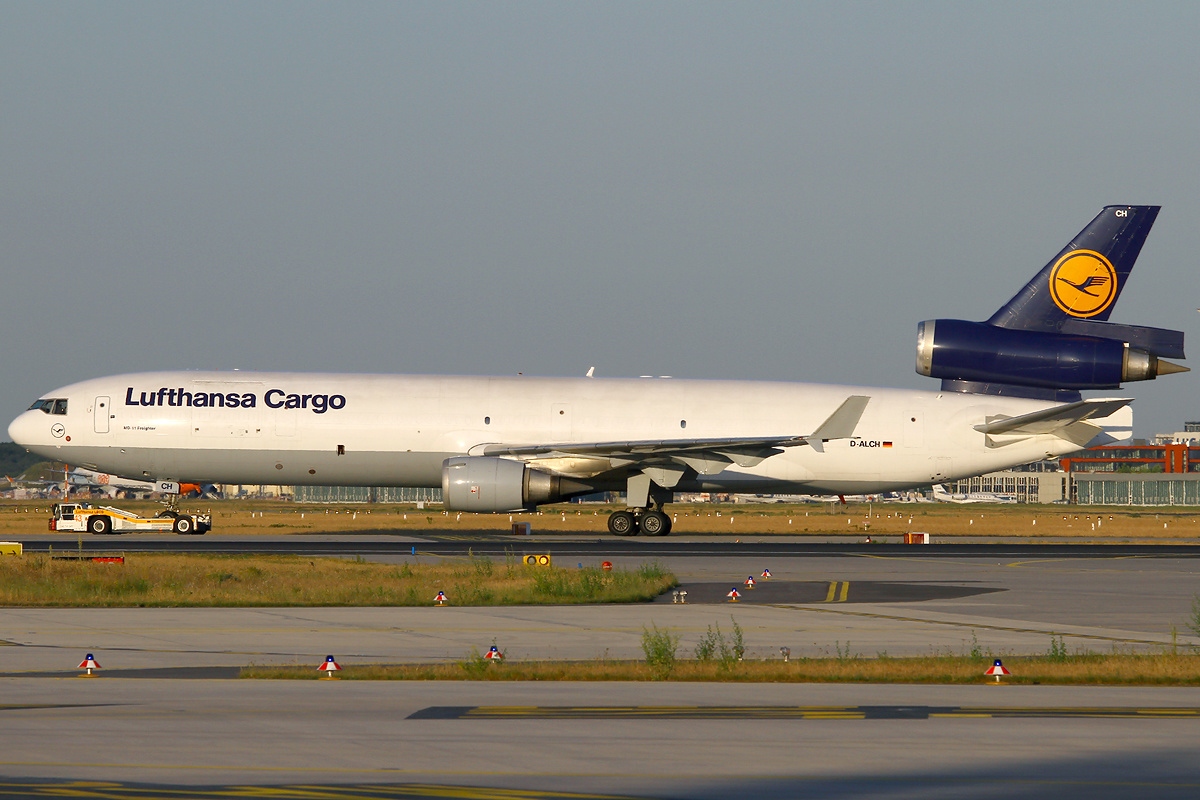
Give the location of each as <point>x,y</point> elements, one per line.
<point>440,600</point>
<point>733,595</point>
<point>329,667</point>
<point>494,655</point>
<point>998,669</point>
<point>766,574</point>
<point>88,663</point>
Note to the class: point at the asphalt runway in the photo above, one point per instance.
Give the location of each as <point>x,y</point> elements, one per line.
<point>165,717</point>
<point>338,739</point>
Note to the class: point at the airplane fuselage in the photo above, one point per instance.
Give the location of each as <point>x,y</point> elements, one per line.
<point>396,430</point>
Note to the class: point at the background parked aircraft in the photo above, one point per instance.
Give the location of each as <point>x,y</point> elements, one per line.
<point>943,496</point>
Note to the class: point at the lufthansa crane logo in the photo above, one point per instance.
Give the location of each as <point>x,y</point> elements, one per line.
<point>1083,283</point>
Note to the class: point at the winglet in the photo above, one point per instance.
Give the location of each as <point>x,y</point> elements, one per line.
<point>841,423</point>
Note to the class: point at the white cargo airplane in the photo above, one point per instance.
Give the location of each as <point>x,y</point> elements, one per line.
<point>1010,395</point>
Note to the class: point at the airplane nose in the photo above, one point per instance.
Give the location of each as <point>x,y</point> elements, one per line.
<point>22,429</point>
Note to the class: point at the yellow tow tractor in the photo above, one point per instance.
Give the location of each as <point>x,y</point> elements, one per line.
<point>102,520</point>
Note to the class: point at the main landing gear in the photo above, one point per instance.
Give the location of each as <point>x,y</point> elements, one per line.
<point>649,521</point>
<point>645,513</point>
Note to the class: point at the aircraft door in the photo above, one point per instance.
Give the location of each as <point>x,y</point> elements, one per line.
<point>101,414</point>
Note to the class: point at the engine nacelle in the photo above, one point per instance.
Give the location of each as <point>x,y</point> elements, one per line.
<point>485,484</point>
<point>976,351</point>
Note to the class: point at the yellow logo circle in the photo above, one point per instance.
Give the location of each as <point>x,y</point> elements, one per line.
<point>1083,283</point>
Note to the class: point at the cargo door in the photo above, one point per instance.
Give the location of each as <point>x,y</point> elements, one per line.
<point>102,412</point>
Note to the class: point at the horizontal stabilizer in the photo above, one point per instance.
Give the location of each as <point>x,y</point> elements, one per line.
<point>1158,342</point>
<point>1053,420</point>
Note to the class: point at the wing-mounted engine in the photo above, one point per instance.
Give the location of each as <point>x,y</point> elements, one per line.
<point>487,484</point>
<point>977,352</point>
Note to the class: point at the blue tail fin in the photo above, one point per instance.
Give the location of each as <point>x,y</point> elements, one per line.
<point>1085,279</point>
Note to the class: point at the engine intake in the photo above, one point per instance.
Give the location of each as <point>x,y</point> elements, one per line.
<point>954,349</point>
<point>486,484</point>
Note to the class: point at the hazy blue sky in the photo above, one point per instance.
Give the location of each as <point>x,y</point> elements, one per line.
<point>723,190</point>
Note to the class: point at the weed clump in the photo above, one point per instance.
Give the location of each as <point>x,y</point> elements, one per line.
<point>1058,649</point>
<point>1193,623</point>
<point>660,648</point>
<point>713,647</point>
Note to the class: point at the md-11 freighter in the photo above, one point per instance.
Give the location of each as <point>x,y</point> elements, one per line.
<point>1010,394</point>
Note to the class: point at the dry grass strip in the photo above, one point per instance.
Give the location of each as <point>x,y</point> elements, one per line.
<point>1161,669</point>
<point>168,580</point>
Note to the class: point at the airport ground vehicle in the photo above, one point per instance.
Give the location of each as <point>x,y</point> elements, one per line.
<point>106,519</point>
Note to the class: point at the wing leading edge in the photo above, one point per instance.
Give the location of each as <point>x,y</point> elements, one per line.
<point>705,456</point>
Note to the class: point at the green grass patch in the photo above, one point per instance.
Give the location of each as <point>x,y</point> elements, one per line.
<point>161,580</point>
<point>1160,669</point>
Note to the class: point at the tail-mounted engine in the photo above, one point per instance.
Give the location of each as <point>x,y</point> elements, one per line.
<point>960,351</point>
<point>486,484</point>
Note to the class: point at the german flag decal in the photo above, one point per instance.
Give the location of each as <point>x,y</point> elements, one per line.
<point>887,444</point>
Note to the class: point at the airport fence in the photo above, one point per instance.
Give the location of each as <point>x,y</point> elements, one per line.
<point>366,494</point>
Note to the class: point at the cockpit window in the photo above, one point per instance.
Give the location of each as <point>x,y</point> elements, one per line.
<point>50,406</point>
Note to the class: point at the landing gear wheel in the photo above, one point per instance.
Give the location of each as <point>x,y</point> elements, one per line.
<point>655,523</point>
<point>100,525</point>
<point>622,523</point>
<point>184,524</point>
